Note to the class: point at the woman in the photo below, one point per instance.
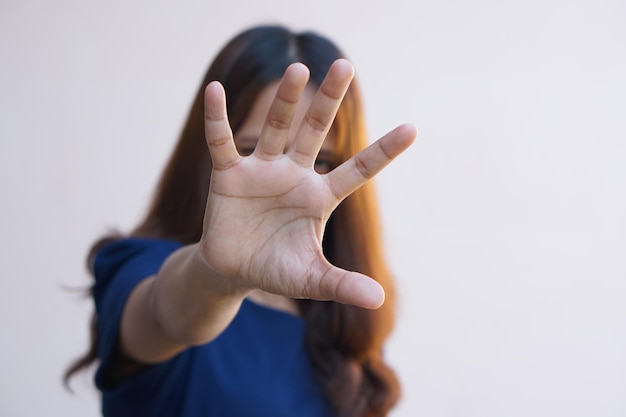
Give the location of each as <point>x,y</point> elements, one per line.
<point>207,308</point>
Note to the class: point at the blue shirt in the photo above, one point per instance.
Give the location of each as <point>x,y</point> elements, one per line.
<point>258,366</point>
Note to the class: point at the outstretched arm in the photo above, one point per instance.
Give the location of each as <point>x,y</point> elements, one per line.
<point>263,226</point>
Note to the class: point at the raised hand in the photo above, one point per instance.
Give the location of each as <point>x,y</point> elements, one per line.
<point>266,212</point>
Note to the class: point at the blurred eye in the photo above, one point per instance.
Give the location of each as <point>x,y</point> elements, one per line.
<point>245,144</point>
<point>246,151</point>
<point>323,165</point>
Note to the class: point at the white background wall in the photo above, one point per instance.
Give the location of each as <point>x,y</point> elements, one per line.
<point>505,223</point>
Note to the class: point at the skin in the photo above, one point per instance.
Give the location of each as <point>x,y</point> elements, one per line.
<point>246,139</point>
<point>263,223</point>
<point>247,136</point>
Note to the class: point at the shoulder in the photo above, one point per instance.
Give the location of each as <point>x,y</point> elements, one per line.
<point>129,258</point>
<point>118,267</point>
<point>119,251</point>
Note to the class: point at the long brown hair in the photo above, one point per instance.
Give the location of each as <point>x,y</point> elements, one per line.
<point>345,342</point>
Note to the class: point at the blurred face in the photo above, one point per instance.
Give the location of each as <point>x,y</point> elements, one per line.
<point>248,134</point>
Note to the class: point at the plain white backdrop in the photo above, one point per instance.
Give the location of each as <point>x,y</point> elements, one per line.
<point>505,224</point>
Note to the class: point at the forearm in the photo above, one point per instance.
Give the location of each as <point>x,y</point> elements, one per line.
<point>185,304</point>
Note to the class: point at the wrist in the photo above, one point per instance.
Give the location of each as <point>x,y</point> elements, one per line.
<point>220,284</point>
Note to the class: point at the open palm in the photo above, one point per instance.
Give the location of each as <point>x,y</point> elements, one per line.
<point>266,212</point>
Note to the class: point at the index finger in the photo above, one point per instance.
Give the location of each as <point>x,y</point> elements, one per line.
<point>359,169</point>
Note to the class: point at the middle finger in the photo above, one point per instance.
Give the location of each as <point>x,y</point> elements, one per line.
<point>320,115</point>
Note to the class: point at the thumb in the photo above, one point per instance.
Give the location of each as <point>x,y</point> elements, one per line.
<point>347,287</point>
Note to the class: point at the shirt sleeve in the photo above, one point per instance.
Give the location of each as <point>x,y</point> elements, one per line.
<point>118,268</point>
